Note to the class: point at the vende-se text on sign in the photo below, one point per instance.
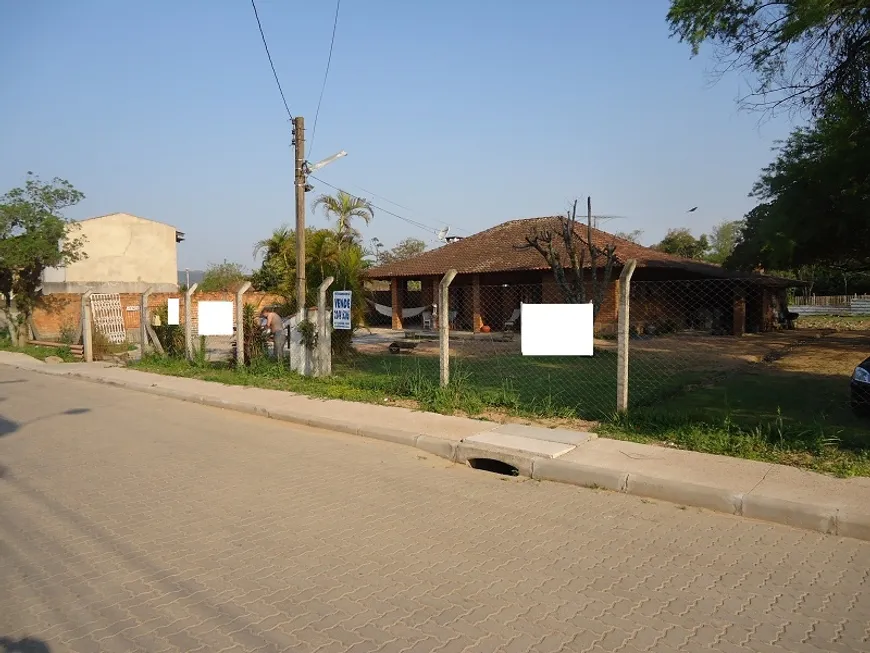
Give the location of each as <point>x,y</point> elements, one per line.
<point>341,301</point>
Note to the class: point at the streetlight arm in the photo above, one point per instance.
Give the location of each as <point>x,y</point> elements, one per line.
<point>322,164</point>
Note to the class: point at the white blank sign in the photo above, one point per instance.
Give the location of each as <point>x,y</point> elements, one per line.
<point>556,329</point>
<point>172,311</point>
<point>215,318</point>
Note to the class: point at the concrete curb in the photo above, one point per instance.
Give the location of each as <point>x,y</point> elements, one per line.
<point>700,496</point>
<point>801,515</point>
<point>807,516</point>
<point>561,471</point>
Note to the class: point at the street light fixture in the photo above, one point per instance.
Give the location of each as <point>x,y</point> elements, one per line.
<point>322,164</point>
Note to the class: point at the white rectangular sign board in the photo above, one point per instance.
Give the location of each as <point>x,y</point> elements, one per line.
<point>341,310</point>
<point>215,318</point>
<point>556,329</point>
<point>173,311</point>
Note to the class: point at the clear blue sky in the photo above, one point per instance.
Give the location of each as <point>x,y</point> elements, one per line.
<point>470,113</point>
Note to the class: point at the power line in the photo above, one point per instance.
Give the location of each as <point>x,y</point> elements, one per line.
<point>388,201</point>
<point>419,225</point>
<point>269,55</point>
<point>326,74</point>
<point>401,206</point>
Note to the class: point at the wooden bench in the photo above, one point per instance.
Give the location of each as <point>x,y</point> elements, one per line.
<point>399,345</point>
<point>78,351</point>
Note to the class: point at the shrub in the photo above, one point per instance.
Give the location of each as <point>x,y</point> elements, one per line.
<point>171,337</point>
<point>254,340</point>
<point>69,333</point>
<point>100,344</point>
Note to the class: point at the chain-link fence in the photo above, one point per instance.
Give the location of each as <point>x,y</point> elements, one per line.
<point>212,328</point>
<point>730,354</point>
<point>211,322</point>
<point>490,373</point>
<point>383,358</point>
<point>704,351</point>
<point>682,337</point>
<point>712,350</point>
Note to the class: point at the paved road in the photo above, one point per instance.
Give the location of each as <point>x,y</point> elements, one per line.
<point>134,523</point>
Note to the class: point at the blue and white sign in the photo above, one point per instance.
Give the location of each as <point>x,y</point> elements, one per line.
<point>341,310</point>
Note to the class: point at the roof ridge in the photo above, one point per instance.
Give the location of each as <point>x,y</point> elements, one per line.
<point>132,215</point>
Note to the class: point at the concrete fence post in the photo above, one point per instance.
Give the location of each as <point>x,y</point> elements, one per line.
<point>143,321</point>
<point>87,327</point>
<point>623,335</point>
<point>188,322</point>
<point>444,325</point>
<point>240,324</point>
<point>323,356</point>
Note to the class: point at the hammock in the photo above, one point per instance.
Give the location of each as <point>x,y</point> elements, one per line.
<point>387,311</point>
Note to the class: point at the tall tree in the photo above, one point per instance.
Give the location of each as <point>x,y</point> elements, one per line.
<point>345,208</point>
<point>723,239</point>
<point>815,198</point>
<point>34,235</point>
<point>324,258</point>
<point>681,242</point>
<point>405,249</point>
<point>222,277</point>
<point>799,53</point>
<point>581,267</point>
<point>630,236</point>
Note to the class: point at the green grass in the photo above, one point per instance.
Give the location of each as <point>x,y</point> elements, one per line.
<point>761,414</point>
<point>757,413</point>
<point>40,353</point>
<point>546,387</point>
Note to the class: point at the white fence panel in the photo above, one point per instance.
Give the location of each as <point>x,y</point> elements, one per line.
<point>108,317</point>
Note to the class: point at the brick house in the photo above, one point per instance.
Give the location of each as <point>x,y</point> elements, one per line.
<point>495,274</point>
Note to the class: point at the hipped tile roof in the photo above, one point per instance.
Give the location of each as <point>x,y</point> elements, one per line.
<point>497,250</point>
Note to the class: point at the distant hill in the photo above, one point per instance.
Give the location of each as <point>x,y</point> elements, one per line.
<point>195,276</point>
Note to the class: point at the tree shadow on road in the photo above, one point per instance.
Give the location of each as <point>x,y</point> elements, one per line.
<point>25,645</point>
<point>8,426</point>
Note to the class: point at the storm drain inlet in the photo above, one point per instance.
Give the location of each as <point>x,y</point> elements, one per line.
<point>494,466</point>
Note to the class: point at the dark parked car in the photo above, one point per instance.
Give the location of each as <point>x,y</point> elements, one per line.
<point>860,387</point>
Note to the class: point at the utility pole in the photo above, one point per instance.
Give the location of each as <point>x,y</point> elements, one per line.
<point>300,183</point>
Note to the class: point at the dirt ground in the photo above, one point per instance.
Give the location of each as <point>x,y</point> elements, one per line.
<point>834,354</point>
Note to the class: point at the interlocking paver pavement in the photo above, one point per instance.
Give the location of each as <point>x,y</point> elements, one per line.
<point>136,523</point>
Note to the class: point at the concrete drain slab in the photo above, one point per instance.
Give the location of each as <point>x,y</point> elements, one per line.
<point>535,447</point>
<point>563,436</point>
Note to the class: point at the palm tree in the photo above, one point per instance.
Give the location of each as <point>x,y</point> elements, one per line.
<point>322,251</point>
<point>281,244</point>
<point>343,208</point>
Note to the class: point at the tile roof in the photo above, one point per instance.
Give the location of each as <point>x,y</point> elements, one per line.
<point>496,250</point>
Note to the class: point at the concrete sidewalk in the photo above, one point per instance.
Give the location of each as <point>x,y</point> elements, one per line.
<point>764,491</point>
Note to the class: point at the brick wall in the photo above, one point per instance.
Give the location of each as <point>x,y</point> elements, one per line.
<point>606,321</point>
<point>56,313</point>
<point>59,312</point>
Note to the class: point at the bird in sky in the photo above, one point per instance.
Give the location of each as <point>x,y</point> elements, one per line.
<point>692,210</point>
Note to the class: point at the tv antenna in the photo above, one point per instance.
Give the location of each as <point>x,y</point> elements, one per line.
<point>596,218</point>
<point>442,233</point>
